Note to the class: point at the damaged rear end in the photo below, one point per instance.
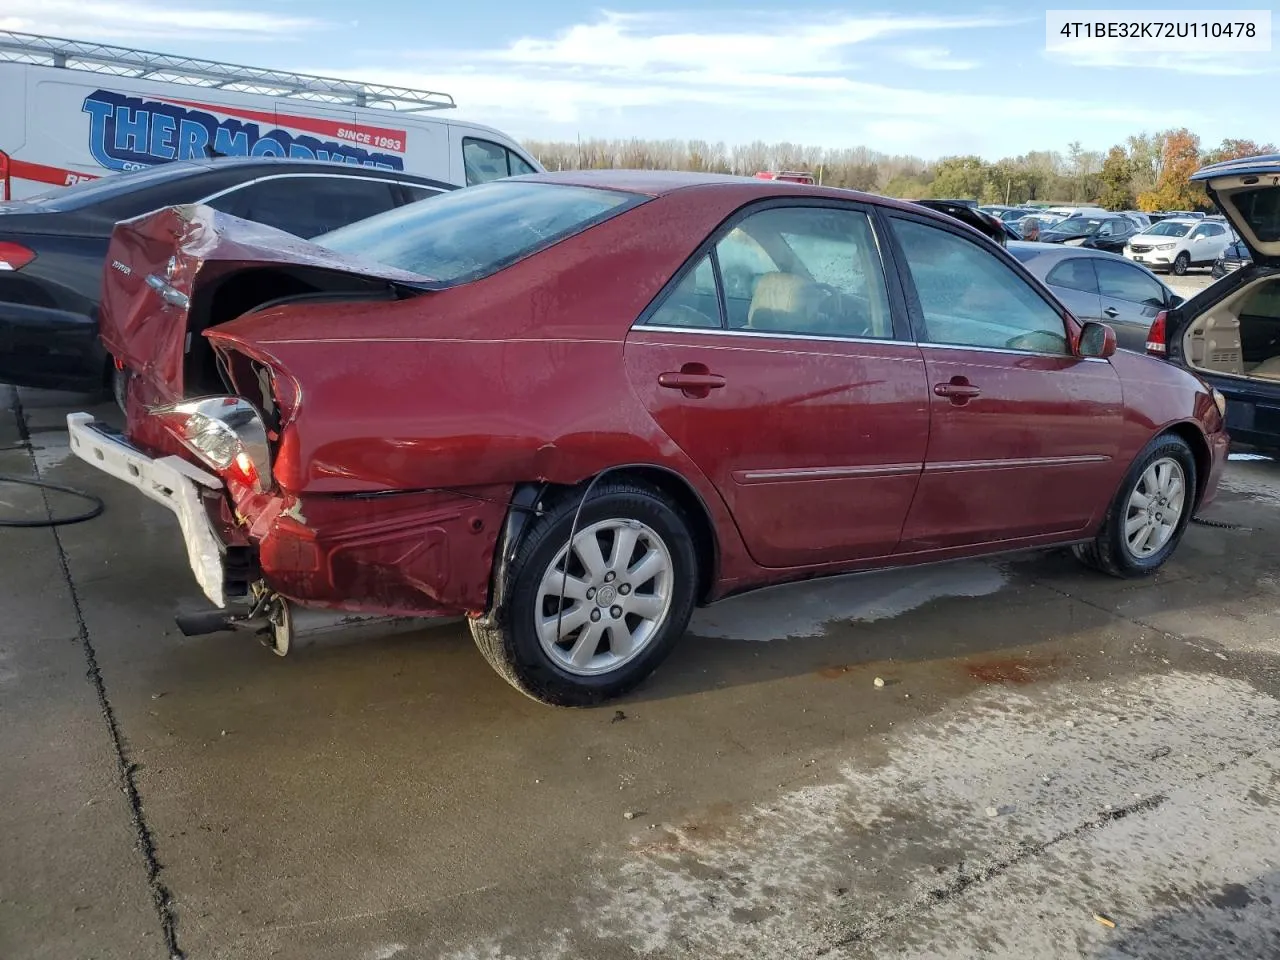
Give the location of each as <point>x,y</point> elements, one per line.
<point>213,421</point>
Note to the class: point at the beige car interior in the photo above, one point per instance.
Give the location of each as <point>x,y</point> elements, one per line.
<point>1215,341</point>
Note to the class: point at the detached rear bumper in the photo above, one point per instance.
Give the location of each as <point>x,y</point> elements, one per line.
<point>170,481</point>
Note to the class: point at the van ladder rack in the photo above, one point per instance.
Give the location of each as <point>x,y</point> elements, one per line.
<point>143,64</point>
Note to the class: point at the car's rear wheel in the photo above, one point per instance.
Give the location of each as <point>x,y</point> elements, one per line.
<point>1181,262</point>
<point>589,619</point>
<point>1149,514</point>
<point>120,386</point>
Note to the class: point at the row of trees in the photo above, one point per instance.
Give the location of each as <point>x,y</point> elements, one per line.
<point>1146,172</point>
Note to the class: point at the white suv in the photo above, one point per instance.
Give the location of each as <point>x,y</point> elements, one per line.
<point>1177,243</point>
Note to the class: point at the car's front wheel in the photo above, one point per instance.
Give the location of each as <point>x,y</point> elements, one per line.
<point>588,618</point>
<point>1149,514</point>
<point>1181,262</point>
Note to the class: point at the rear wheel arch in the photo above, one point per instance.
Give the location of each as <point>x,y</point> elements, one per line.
<point>528,498</point>
<point>1195,439</point>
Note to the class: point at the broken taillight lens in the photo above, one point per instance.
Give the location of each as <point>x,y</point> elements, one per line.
<point>1156,345</point>
<point>14,256</point>
<point>226,433</point>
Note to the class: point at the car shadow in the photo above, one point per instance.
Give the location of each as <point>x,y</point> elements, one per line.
<point>1236,920</point>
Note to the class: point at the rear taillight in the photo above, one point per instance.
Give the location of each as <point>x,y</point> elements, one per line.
<point>14,256</point>
<point>1156,345</point>
<point>4,176</point>
<point>226,433</point>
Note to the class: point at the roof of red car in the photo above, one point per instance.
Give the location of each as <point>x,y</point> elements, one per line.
<point>655,183</point>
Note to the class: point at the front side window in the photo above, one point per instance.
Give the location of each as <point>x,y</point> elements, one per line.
<point>308,206</point>
<point>1123,282</point>
<point>484,160</point>
<point>968,297</point>
<point>462,235</point>
<point>805,270</point>
<point>1074,274</point>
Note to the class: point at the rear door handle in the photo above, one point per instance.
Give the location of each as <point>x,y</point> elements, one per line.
<point>959,390</point>
<point>694,380</point>
<point>1111,311</point>
<point>691,381</point>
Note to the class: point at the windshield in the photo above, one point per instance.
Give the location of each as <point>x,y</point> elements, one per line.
<point>1167,229</point>
<point>469,233</point>
<point>88,192</point>
<point>1086,226</point>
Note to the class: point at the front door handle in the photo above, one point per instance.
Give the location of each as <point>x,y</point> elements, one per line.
<point>693,380</point>
<point>958,390</point>
<point>1111,312</point>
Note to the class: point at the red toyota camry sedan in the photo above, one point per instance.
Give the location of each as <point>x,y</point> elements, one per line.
<point>574,406</point>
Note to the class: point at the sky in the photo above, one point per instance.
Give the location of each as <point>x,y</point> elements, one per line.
<point>930,79</point>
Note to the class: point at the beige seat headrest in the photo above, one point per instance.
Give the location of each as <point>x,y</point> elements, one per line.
<point>781,300</point>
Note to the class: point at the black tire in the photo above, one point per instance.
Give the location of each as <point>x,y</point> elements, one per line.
<point>508,638</point>
<point>1109,550</point>
<point>1180,264</point>
<point>120,386</point>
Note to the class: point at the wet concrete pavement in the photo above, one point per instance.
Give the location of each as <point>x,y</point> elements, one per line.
<point>1049,745</point>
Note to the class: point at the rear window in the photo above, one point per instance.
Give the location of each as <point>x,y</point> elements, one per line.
<point>470,233</point>
<point>1260,209</point>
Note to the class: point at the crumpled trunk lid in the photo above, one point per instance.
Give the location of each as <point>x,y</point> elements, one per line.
<point>160,265</point>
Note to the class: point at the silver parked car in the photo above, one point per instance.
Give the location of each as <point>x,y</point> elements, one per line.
<point>1101,286</point>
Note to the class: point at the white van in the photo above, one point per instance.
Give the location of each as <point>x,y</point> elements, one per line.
<point>76,111</point>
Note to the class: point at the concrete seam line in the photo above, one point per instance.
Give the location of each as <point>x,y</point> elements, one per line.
<point>127,770</point>
<point>874,929</point>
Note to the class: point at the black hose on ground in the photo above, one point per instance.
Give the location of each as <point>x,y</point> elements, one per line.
<point>93,511</point>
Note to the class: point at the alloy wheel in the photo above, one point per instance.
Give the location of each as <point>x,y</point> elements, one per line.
<point>1155,508</point>
<point>604,597</point>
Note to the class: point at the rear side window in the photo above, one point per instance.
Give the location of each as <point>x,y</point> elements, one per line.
<point>308,206</point>
<point>485,160</point>
<point>1123,282</point>
<point>1074,274</point>
<point>463,235</point>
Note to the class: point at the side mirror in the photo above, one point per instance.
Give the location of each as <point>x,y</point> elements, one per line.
<point>1096,340</point>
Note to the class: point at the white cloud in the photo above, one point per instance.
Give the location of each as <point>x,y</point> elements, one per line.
<point>132,22</point>
<point>1204,64</point>
<point>789,77</point>
<point>932,58</point>
<point>640,41</point>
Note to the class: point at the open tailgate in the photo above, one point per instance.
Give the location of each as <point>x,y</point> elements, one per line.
<point>1247,191</point>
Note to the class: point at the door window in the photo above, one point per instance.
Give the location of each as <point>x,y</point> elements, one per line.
<point>693,302</point>
<point>308,206</point>
<point>968,297</point>
<point>805,270</point>
<point>417,192</point>
<point>484,160</point>
<point>1123,282</point>
<point>1074,274</point>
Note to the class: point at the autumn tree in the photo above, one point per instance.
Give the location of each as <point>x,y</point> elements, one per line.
<point>1235,149</point>
<point>1116,176</point>
<point>1179,159</point>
